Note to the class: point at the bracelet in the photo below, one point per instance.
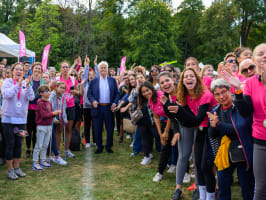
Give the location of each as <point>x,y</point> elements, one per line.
<point>238,91</point>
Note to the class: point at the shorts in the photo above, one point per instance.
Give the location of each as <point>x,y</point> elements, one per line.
<point>79,112</point>
<point>71,114</point>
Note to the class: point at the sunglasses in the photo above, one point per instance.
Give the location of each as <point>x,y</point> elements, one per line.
<point>168,70</point>
<point>65,67</point>
<point>46,91</point>
<point>250,68</point>
<point>73,74</point>
<point>231,61</point>
<point>154,70</point>
<point>138,71</point>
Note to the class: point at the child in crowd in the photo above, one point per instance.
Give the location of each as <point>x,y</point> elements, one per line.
<point>44,118</point>
<point>58,103</point>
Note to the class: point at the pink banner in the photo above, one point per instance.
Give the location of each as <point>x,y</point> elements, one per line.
<point>45,55</point>
<point>123,64</point>
<point>22,44</point>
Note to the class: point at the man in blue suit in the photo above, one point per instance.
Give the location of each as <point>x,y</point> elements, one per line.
<point>104,95</point>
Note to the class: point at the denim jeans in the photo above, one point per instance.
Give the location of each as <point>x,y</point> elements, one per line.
<point>246,180</point>
<point>137,141</point>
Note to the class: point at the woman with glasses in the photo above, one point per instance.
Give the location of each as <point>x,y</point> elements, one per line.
<point>155,70</point>
<point>252,101</point>
<point>247,68</point>
<point>35,82</point>
<point>70,92</point>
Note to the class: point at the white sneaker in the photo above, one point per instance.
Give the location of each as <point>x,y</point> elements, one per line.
<point>88,145</point>
<point>146,161</point>
<point>186,178</point>
<point>128,137</point>
<point>150,156</point>
<point>131,145</point>
<point>158,177</point>
<point>95,144</point>
<point>192,174</point>
<point>59,161</point>
<point>69,154</point>
<point>172,169</point>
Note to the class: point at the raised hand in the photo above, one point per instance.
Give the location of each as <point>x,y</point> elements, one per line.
<point>234,81</point>
<point>95,60</point>
<point>20,81</point>
<point>163,99</point>
<point>87,61</point>
<point>28,81</point>
<point>213,119</point>
<point>173,109</point>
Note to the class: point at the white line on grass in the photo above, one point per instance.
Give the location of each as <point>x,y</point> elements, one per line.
<point>87,180</point>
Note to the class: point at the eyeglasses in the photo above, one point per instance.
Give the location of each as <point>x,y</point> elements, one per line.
<point>231,61</point>
<point>221,93</point>
<point>154,70</point>
<point>65,67</point>
<point>168,70</point>
<point>46,91</point>
<point>250,68</point>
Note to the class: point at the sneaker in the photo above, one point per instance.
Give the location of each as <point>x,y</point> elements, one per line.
<point>195,195</point>
<point>59,161</point>
<point>11,174</point>
<point>131,145</point>
<point>134,154</point>
<point>69,154</point>
<point>45,164</point>
<point>172,169</point>
<point>28,153</point>
<point>88,145</point>
<point>150,156</point>
<point>177,194</point>
<point>36,166</point>
<point>146,161</point>
<point>19,172</point>
<point>192,174</point>
<point>120,139</point>
<point>95,144</point>
<point>158,177</point>
<point>186,178</point>
<point>192,187</point>
<point>128,137</point>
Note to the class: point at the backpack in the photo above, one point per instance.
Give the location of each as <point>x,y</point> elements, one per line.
<point>75,140</point>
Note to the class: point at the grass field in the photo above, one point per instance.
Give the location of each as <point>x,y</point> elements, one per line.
<point>99,177</point>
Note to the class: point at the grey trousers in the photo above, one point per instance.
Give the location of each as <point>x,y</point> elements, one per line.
<point>42,141</point>
<point>187,138</point>
<point>259,166</point>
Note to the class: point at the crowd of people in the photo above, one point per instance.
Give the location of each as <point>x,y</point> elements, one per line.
<point>203,124</point>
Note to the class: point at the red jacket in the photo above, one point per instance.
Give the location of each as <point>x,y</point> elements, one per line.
<point>44,114</point>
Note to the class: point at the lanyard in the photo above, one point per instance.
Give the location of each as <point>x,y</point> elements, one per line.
<point>20,89</point>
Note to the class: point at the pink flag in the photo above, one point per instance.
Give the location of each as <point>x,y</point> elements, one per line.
<point>123,64</point>
<point>22,44</point>
<point>45,55</point>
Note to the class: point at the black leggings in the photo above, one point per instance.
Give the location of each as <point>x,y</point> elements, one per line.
<point>204,172</point>
<point>87,125</point>
<point>31,128</point>
<point>13,141</point>
<point>147,133</point>
<point>2,142</point>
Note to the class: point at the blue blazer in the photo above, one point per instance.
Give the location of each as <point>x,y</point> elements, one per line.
<point>94,93</point>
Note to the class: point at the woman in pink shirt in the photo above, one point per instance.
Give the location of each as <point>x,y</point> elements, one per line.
<point>195,100</point>
<point>70,92</point>
<point>253,100</point>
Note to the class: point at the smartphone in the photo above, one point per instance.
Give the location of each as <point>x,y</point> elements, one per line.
<point>72,88</point>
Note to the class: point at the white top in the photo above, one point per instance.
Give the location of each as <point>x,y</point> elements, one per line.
<point>104,90</point>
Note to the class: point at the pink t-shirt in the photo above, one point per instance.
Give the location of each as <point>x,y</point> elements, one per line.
<point>70,99</point>
<point>207,81</point>
<point>157,107</point>
<point>194,104</point>
<point>256,90</point>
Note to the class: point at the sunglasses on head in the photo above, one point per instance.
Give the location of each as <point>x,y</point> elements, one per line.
<point>154,70</point>
<point>231,61</point>
<point>250,68</point>
<point>65,67</point>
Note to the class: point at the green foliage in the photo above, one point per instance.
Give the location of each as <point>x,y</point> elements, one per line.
<point>146,31</point>
<point>151,34</point>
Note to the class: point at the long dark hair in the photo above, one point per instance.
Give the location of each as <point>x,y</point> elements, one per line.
<point>142,101</point>
<point>156,67</point>
<point>130,87</point>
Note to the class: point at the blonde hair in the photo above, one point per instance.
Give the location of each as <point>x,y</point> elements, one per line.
<point>204,68</point>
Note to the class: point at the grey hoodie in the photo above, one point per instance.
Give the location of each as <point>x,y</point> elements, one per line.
<point>57,105</point>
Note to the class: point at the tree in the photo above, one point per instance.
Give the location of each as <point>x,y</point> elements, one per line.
<point>187,20</point>
<point>150,34</point>
<point>251,12</point>
<point>218,32</point>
